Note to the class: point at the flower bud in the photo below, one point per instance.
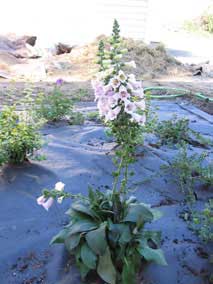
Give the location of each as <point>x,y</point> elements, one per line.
<point>123,51</point>
<point>118,56</point>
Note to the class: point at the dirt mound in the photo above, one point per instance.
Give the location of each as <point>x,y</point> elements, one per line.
<point>152,61</point>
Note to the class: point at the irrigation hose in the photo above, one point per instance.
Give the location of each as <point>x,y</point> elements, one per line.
<point>172,95</point>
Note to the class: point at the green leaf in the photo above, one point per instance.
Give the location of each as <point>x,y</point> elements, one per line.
<point>154,236</point>
<point>155,255</point>
<point>106,269</point>
<point>128,272</point>
<point>156,214</point>
<point>84,269</point>
<point>96,240</point>
<point>91,193</point>
<point>88,257</point>
<point>60,237</point>
<point>119,232</point>
<point>125,234</point>
<point>138,213</point>
<point>72,241</point>
<point>80,207</point>
<point>82,226</point>
<point>114,233</point>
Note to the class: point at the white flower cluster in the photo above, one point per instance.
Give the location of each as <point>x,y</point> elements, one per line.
<point>48,202</point>
<point>123,92</point>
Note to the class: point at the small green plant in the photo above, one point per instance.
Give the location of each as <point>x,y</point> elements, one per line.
<point>207,22</point>
<point>80,95</point>
<point>177,131</point>
<point>187,169</point>
<point>203,222</point>
<point>206,174</point>
<point>76,118</point>
<point>93,115</point>
<point>19,136</point>
<point>53,107</point>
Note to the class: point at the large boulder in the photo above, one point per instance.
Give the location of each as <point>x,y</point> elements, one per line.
<point>16,58</point>
<point>20,47</point>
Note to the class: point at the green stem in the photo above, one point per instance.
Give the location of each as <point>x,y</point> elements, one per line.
<point>125,177</point>
<point>118,173</point>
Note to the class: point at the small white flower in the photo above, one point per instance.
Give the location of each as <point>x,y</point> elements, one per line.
<point>59,186</point>
<point>121,76</point>
<point>141,105</point>
<point>114,82</point>
<point>131,78</point>
<point>123,93</point>
<point>129,107</point>
<point>112,114</point>
<point>138,93</point>
<point>60,199</point>
<point>46,203</point>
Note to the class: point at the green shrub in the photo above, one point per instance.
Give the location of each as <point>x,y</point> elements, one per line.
<point>207,22</point>
<point>206,174</point>
<point>76,118</point>
<point>18,137</point>
<point>203,222</point>
<point>93,115</point>
<point>177,131</point>
<point>187,169</point>
<point>202,24</point>
<point>80,95</point>
<point>53,107</point>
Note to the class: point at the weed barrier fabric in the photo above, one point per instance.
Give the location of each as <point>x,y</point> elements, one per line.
<point>80,156</point>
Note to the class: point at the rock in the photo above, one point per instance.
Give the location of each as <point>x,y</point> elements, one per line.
<point>27,52</point>
<point>6,44</point>
<point>205,68</point>
<point>31,40</point>
<point>62,48</point>
<point>20,47</point>
<point>197,73</point>
<point>20,42</point>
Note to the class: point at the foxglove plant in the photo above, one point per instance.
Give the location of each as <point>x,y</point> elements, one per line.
<point>107,231</point>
